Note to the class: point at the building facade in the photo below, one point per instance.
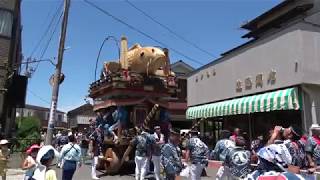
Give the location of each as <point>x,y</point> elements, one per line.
<point>43,113</point>
<point>178,106</point>
<point>12,85</point>
<point>272,79</point>
<point>79,117</point>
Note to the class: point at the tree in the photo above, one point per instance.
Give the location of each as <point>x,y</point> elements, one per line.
<point>29,128</point>
<point>28,133</point>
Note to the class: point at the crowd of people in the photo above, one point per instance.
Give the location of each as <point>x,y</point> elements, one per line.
<point>169,159</point>
<point>68,151</point>
<point>41,158</point>
<point>169,154</point>
<point>284,151</point>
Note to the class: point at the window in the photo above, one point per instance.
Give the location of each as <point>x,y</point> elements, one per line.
<point>29,113</point>
<point>59,118</point>
<point>212,128</point>
<point>6,20</point>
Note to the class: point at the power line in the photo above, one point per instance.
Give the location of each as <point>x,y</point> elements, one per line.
<point>141,32</point>
<point>47,29</point>
<point>40,98</point>
<point>170,30</point>
<point>49,40</point>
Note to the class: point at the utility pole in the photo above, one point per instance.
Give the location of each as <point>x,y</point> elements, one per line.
<point>56,78</point>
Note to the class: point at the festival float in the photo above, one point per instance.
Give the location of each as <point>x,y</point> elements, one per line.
<point>138,86</point>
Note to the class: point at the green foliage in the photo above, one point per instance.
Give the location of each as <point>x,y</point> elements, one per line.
<point>28,133</point>
<point>28,127</point>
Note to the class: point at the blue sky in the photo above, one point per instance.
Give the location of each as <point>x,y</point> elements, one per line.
<point>211,24</point>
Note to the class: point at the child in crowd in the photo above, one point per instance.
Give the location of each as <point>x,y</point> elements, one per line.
<point>29,164</point>
<point>44,159</point>
<point>4,156</point>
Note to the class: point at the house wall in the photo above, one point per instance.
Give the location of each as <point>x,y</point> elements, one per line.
<point>310,49</point>
<point>293,54</point>
<point>10,55</point>
<point>43,116</point>
<point>311,105</point>
<point>7,4</point>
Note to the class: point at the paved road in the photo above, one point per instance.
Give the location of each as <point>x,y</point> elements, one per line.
<point>83,173</point>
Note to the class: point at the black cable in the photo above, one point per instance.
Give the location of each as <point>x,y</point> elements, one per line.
<point>170,30</point>
<point>35,95</point>
<point>51,36</point>
<point>47,29</point>
<point>49,40</point>
<point>141,32</point>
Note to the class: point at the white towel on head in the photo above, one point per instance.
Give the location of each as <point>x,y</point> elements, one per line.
<point>276,153</point>
<point>40,172</point>
<point>161,138</point>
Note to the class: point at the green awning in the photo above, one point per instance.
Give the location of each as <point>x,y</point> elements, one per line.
<point>286,99</point>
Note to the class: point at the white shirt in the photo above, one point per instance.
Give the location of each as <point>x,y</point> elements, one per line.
<point>70,152</point>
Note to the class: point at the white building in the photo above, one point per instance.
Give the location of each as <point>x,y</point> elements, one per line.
<point>272,79</point>
<point>42,113</point>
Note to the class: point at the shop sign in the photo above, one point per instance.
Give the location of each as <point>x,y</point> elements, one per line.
<point>239,85</point>
<point>207,74</point>
<point>213,72</point>
<point>272,76</point>
<point>248,83</point>
<point>259,80</point>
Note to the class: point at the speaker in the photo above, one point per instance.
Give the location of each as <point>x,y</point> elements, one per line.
<point>17,91</point>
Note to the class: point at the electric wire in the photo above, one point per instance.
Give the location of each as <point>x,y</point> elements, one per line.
<point>47,29</point>
<point>37,96</point>
<point>49,41</point>
<point>170,30</point>
<point>141,32</point>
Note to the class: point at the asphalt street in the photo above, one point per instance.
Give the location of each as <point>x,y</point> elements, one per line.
<point>82,173</point>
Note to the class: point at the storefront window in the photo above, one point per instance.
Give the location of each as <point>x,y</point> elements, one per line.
<point>6,20</point>
<point>212,128</point>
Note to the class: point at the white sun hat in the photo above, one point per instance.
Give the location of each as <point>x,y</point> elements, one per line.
<point>4,141</point>
<point>40,171</point>
<point>315,126</point>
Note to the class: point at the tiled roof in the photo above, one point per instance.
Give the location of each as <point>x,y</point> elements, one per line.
<point>39,108</point>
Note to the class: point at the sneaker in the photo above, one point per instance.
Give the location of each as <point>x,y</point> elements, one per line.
<point>95,178</point>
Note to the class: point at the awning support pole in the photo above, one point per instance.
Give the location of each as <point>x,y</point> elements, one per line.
<point>250,127</point>
<point>313,106</point>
